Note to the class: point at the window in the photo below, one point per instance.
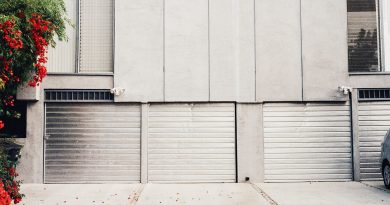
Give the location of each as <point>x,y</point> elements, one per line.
<point>369,35</point>
<point>363,52</point>
<point>90,45</point>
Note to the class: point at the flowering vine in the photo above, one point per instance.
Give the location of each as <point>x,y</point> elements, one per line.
<point>27,28</point>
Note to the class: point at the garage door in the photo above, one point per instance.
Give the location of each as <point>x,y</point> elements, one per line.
<point>92,143</point>
<point>191,143</point>
<point>374,121</point>
<point>307,142</point>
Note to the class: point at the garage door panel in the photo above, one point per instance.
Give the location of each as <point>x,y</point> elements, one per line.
<point>191,130</point>
<point>191,135</point>
<point>87,145</point>
<point>191,119</point>
<point>307,119</point>
<point>191,143</point>
<point>307,142</point>
<point>305,124</point>
<point>374,122</point>
<point>191,151</point>
<point>309,177</point>
<point>193,124</point>
<point>315,165</point>
<point>71,119</point>
<point>93,179</point>
<point>192,140</point>
<point>196,178</point>
<point>313,150</point>
<point>306,129</point>
<point>94,125</point>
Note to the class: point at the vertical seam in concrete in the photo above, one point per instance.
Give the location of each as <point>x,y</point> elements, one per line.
<point>164,69</point>
<point>255,46</point>
<point>144,142</point>
<point>208,44</point>
<point>301,35</point>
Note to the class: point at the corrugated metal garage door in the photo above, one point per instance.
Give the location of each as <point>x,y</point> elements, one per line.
<point>191,143</point>
<point>307,142</point>
<point>92,143</point>
<point>374,121</point>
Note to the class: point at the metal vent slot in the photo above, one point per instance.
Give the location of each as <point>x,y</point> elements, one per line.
<point>78,96</point>
<point>374,94</point>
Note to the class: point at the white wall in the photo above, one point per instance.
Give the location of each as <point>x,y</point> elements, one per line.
<point>231,50</point>
<point>174,50</point>
<point>138,65</point>
<point>324,49</point>
<point>278,50</point>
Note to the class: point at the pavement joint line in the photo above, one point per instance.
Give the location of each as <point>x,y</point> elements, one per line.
<point>136,195</point>
<point>368,185</point>
<point>265,195</point>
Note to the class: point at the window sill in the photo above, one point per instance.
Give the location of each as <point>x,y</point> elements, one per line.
<point>80,74</point>
<point>368,73</point>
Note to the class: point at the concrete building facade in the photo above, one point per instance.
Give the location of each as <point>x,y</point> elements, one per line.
<point>211,91</point>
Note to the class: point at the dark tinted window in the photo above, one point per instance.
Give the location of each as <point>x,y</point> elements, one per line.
<point>363,49</point>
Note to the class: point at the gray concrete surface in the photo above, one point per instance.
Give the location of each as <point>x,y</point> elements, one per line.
<point>325,193</point>
<point>345,193</point>
<point>82,194</point>
<point>194,194</point>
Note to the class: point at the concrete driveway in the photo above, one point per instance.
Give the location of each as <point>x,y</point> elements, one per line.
<point>205,194</point>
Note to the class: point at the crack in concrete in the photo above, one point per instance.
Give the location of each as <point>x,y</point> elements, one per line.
<point>382,189</point>
<point>135,195</point>
<point>265,195</point>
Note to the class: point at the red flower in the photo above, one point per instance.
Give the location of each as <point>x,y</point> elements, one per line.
<point>17,200</point>
<point>5,199</point>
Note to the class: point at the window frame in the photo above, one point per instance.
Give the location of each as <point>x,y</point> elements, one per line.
<point>76,70</point>
<point>381,40</point>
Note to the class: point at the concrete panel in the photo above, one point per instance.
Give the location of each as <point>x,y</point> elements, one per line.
<point>324,46</point>
<point>232,61</point>
<point>186,50</point>
<point>325,193</point>
<point>370,81</point>
<point>139,49</point>
<point>250,142</point>
<point>31,165</point>
<point>77,82</point>
<point>278,50</point>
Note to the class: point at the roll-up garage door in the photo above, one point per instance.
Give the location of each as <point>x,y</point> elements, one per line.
<point>92,143</point>
<point>307,142</point>
<point>191,143</point>
<point>374,122</point>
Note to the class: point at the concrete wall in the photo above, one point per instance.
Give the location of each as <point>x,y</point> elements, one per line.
<point>177,50</point>
<point>324,49</point>
<point>370,81</point>
<point>231,50</point>
<point>278,50</point>
<point>250,142</point>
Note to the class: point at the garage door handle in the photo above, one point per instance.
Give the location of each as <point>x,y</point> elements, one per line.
<point>46,137</point>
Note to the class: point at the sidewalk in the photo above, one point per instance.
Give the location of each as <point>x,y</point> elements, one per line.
<point>206,194</point>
